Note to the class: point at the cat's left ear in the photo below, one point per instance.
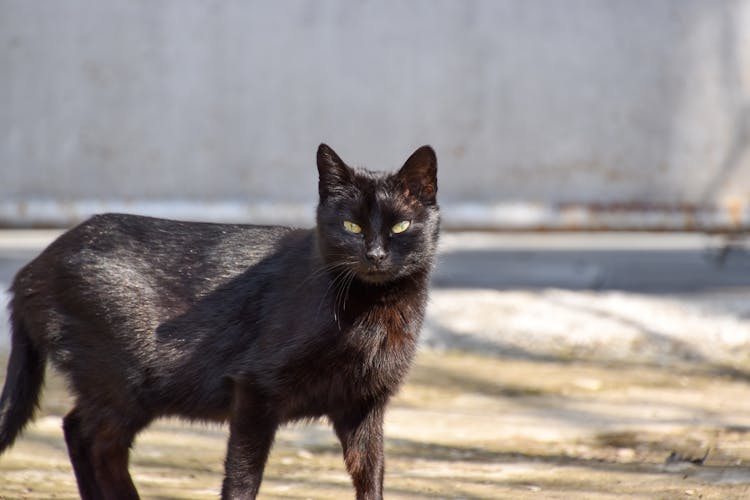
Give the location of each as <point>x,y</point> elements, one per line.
<point>418,176</point>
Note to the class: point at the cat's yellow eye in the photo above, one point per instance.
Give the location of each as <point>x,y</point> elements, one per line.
<point>352,227</point>
<point>400,227</point>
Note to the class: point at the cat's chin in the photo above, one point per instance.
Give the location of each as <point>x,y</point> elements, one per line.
<point>376,277</point>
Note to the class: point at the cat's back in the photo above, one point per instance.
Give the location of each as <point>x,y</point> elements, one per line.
<point>111,255</point>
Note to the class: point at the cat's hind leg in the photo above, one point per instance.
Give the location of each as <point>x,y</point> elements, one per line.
<point>99,450</point>
<point>79,450</point>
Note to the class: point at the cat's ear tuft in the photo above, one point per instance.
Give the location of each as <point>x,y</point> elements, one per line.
<point>333,173</point>
<point>418,176</point>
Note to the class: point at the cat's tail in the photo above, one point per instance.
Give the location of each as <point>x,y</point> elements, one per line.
<point>23,383</point>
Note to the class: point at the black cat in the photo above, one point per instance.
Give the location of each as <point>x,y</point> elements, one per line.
<point>253,325</point>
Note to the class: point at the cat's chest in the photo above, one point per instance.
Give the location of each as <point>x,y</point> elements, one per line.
<point>366,360</point>
<point>383,331</point>
<point>378,348</point>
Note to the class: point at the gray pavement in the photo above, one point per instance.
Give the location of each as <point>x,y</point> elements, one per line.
<point>635,262</point>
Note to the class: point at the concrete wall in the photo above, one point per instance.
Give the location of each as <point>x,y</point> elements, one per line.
<point>579,113</point>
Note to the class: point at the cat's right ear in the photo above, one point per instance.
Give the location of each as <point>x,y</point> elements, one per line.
<point>333,173</point>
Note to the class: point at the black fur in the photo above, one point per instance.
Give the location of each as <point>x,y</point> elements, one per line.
<point>253,325</point>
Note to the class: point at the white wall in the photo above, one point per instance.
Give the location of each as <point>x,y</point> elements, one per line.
<point>543,112</point>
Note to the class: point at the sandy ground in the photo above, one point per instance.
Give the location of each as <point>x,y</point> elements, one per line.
<point>552,367</point>
<point>465,426</point>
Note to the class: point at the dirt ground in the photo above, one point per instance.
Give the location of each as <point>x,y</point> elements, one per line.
<point>464,426</point>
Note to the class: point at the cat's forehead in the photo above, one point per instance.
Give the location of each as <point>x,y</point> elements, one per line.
<point>386,201</point>
<point>376,187</point>
<point>369,181</point>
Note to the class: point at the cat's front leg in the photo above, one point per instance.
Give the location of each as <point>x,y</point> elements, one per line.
<point>361,435</point>
<point>251,431</point>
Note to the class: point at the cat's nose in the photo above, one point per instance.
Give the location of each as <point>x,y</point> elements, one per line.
<point>376,255</point>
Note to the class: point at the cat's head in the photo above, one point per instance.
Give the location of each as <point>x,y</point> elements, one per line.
<point>380,226</point>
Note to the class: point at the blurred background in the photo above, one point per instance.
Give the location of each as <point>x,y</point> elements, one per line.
<point>588,333</point>
<point>575,115</point>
